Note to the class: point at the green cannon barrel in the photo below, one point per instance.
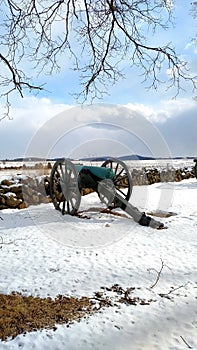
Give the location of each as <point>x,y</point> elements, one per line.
<point>90,176</point>
<point>101,173</point>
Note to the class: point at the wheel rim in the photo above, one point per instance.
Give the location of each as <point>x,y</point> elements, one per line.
<point>195,169</point>
<point>122,178</point>
<point>64,187</point>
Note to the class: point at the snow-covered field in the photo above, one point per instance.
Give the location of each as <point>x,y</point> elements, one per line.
<point>51,254</point>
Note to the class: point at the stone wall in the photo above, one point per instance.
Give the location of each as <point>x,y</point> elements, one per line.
<point>153,175</point>
<point>20,192</point>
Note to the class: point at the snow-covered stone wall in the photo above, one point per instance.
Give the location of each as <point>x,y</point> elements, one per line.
<point>19,193</point>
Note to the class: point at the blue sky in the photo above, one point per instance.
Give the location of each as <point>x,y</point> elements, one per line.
<point>175,120</point>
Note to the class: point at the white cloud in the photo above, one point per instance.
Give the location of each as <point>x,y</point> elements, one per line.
<point>191,46</point>
<point>188,46</point>
<point>165,109</point>
<point>175,120</point>
<point>27,118</point>
<point>31,114</point>
<point>36,111</point>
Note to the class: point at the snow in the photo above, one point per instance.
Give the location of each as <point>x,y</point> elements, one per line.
<point>51,254</point>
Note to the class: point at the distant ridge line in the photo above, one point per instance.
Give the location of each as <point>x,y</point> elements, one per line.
<point>93,159</point>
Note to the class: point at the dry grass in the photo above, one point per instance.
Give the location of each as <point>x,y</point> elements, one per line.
<point>20,314</point>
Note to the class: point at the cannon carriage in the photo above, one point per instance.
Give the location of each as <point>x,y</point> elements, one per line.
<point>112,182</point>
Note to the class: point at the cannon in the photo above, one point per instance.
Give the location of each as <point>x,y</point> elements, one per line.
<point>112,182</point>
<point>195,167</point>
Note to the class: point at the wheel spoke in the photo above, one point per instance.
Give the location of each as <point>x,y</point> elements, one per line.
<point>120,181</point>
<point>63,206</point>
<point>116,169</point>
<point>66,178</point>
<point>68,207</point>
<point>69,174</point>
<point>71,201</point>
<point>110,165</point>
<point>117,175</point>
<point>119,190</point>
<point>62,172</point>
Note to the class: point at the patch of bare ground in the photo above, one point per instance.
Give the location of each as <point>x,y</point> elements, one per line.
<point>20,314</point>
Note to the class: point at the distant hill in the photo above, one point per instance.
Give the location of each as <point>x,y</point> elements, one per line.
<point>130,157</point>
<point>136,157</point>
<point>127,157</point>
<point>34,159</point>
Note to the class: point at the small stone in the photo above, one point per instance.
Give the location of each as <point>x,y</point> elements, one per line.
<point>12,202</point>
<point>22,205</point>
<point>7,182</point>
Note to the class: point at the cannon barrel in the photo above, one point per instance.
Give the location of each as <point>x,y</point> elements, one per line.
<point>109,194</point>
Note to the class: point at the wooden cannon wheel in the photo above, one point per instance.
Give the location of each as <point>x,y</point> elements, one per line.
<point>122,179</point>
<point>64,187</point>
<point>195,167</point>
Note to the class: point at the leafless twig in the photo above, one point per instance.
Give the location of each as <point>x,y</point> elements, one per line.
<point>173,290</point>
<point>2,242</point>
<point>189,347</point>
<point>158,274</point>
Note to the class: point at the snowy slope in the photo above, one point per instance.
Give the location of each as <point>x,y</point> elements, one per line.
<point>50,254</point>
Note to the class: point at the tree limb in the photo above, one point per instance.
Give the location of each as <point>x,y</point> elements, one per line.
<point>97,35</point>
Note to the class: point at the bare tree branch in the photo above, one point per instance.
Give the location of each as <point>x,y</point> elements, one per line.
<point>94,37</point>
